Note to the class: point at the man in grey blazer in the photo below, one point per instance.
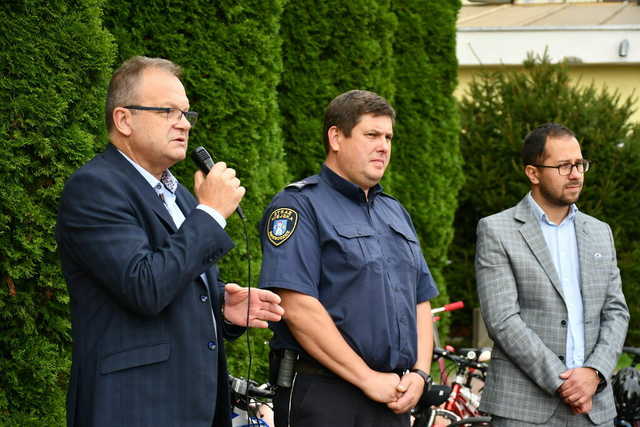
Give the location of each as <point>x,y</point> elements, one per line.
<point>551,297</point>
<point>149,313</point>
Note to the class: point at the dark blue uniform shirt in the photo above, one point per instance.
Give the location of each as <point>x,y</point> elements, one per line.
<point>360,258</point>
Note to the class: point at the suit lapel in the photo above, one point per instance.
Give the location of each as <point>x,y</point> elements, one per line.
<point>184,200</point>
<point>148,194</point>
<point>532,234</point>
<point>586,251</point>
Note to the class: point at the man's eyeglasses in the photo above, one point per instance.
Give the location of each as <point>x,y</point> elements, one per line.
<point>582,166</point>
<point>174,115</point>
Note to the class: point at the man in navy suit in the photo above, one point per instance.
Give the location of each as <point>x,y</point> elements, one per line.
<point>138,252</point>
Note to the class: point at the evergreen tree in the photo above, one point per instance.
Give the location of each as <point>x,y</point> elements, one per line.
<point>497,112</point>
<point>54,67</point>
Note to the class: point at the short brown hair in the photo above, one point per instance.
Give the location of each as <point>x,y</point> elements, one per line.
<point>536,141</point>
<point>122,88</point>
<point>345,111</point>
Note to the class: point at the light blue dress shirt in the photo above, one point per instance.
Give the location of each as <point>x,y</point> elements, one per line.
<point>563,246</point>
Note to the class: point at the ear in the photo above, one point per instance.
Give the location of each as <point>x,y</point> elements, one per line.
<point>335,138</point>
<point>532,173</point>
<point>122,121</point>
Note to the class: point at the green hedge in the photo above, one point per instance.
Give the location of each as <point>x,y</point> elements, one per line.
<point>54,67</point>
<point>230,53</point>
<point>498,111</point>
<point>426,166</point>
<point>256,85</point>
<point>329,47</point>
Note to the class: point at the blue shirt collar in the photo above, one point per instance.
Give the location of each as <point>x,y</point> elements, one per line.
<point>542,216</point>
<point>347,188</point>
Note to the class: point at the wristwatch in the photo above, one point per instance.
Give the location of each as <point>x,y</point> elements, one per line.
<point>603,381</point>
<point>426,377</point>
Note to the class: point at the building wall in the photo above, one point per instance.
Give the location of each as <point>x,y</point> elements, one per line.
<point>624,78</point>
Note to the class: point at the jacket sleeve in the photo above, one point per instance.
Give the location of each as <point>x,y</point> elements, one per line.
<point>101,232</point>
<point>614,320</point>
<point>498,294</point>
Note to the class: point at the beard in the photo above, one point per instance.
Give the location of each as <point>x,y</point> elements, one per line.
<point>562,199</point>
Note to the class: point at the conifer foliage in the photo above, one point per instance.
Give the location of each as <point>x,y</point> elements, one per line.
<point>54,67</point>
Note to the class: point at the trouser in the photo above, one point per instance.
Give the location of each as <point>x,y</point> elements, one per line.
<point>562,417</point>
<point>321,401</point>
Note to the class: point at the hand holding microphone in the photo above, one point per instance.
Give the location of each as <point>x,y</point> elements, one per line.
<point>216,185</point>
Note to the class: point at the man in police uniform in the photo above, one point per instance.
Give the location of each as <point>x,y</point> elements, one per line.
<point>345,259</point>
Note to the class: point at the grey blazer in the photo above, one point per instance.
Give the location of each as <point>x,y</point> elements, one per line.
<point>524,309</point>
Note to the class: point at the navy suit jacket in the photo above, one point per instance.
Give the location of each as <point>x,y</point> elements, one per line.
<point>145,352</point>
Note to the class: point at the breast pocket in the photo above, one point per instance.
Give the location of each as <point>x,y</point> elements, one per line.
<point>358,242</point>
<point>404,247</point>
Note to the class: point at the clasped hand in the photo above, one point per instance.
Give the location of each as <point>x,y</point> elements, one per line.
<point>400,394</point>
<point>264,306</point>
<point>578,389</point>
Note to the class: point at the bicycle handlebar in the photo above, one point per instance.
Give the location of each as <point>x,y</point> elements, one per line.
<point>458,359</point>
<point>449,307</point>
<point>240,386</point>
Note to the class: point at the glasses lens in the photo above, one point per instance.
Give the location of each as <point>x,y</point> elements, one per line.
<point>565,169</point>
<point>175,115</point>
<point>192,117</point>
<point>581,167</point>
<point>585,166</point>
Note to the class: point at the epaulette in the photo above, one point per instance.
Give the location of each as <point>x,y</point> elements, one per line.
<point>389,196</point>
<point>299,185</point>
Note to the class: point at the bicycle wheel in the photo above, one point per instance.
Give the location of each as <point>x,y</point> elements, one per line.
<point>473,422</point>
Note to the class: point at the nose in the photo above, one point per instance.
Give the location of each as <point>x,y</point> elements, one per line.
<point>383,144</point>
<point>183,123</point>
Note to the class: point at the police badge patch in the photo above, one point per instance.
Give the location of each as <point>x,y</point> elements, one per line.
<point>282,223</point>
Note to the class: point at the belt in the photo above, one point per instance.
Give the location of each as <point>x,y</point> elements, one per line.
<point>313,367</point>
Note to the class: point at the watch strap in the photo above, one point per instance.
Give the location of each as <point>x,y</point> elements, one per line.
<point>426,377</point>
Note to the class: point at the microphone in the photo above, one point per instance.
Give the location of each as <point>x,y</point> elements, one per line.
<point>203,160</point>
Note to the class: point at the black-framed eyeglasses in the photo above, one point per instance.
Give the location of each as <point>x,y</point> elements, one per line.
<point>174,115</point>
<point>581,166</point>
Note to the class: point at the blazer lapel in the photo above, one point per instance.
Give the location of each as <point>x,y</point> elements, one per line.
<point>148,194</point>
<point>185,201</point>
<point>587,250</point>
<point>532,234</point>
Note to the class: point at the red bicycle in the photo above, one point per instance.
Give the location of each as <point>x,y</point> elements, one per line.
<point>455,404</point>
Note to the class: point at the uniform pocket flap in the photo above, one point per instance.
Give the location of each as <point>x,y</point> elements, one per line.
<point>351,231</point>
<point>135,357</point>
<point>404,231</point>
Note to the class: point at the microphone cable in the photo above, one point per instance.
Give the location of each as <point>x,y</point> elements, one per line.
<point>247,332</point>
<point>205,162</point>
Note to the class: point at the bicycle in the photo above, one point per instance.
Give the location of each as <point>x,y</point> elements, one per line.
<point>626,390</point>
<point>251,403</point>
<point>455,405</point>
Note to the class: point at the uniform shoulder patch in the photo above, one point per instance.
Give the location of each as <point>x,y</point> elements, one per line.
<point>281,225</point>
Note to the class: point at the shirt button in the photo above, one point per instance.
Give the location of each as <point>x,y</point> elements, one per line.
<point>204,298</point>
<point>563,323</point>
<point>211,345</point>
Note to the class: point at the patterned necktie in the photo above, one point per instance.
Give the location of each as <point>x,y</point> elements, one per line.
<point>169,181</point>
